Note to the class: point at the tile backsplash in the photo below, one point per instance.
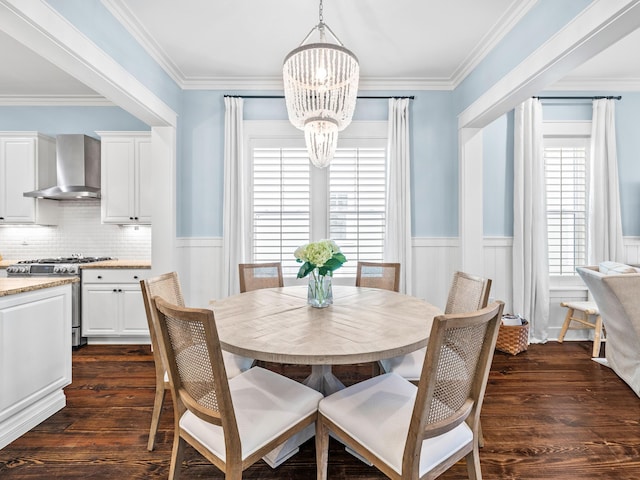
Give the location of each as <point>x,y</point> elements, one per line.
<point>79,230</point>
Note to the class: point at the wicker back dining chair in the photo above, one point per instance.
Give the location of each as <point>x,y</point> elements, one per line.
<point>419,432</point>
<point>378,275</point>
<point>168,287</point>
<point>231,422</point>
<point>254,276</point>
<point>467,293</point>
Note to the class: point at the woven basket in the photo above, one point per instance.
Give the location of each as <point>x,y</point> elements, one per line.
<point>513,339</point>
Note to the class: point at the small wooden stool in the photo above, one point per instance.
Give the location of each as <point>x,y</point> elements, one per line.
<point>586,309</point>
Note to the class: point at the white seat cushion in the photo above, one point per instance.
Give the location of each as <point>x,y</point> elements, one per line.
<point>265,403</point>
<point>377,413</point>
<point>408,366</point>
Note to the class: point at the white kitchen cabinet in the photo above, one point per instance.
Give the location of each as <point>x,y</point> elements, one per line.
<point>112,303</point>
<point>126,177</point>
<point>35,357</point>
<point>27,162</point>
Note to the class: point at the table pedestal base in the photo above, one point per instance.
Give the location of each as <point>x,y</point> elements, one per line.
<point>323,380</point>
<point>288,449</point>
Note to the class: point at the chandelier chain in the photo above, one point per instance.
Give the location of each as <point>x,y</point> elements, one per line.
<point>320,15</point>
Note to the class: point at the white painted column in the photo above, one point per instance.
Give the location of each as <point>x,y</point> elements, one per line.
<point>163,214</point>
<point>471,229</point>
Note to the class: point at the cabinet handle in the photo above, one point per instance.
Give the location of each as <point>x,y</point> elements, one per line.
<point>135,277</point>
<point>115,290</point>
<point>99,277</point>
<point>120,290</point>
<point>130,218</point>
<point>136,218</point>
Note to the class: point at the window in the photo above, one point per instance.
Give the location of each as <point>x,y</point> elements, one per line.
<point>294,203</point>
<point>565,158</point>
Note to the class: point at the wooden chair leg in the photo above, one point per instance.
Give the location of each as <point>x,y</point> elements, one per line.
<point>322,449</point>
<point>158,402</point>
<point>176,456</point>
<point>565,325</point>
<point>597,337</point>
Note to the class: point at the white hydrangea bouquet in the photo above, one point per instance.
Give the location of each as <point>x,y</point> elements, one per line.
<point>319,259</point>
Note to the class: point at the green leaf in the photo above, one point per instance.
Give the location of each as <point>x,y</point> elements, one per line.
<point>305,269</point>
<point>332,264</point>
<point>340,257</point>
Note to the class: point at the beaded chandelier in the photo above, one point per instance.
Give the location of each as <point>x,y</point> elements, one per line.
<point>320,89</point>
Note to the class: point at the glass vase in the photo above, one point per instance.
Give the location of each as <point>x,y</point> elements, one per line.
<point>320,294</point>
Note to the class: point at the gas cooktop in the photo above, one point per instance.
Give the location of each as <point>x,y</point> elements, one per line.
<point>58,260</point>
<point>47,267</point>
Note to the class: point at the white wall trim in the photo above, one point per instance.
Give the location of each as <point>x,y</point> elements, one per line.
<point>199,242</point>
<point>495,242</point>
<point>425,242</point>
<point>55,100</point>
<point>597,83</point>
<point>600,25</point>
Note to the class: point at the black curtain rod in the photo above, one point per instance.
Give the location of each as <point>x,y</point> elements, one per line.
<point>411,97</point>
<point>578,98</point>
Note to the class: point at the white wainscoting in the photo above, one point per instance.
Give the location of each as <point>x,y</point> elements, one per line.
<point>434,259</point>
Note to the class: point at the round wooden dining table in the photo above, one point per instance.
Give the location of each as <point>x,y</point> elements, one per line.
<point>362,325</point>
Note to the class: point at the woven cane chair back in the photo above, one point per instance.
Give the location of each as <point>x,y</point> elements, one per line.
<point>166,286</point>
<point>254,276</point>
<point>468,293</point>
<point>454,376</point>
<point>378,275</point>
<point>194,358</point>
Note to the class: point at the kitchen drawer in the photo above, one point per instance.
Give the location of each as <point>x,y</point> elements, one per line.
<point>117,275</point>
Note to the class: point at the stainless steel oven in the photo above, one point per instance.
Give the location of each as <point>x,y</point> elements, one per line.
<point>60,267</point>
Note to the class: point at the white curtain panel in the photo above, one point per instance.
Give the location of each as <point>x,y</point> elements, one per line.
<point>397,241</point>
<point>235,208</point>
<point>530,246</point>
<point>605,240</point>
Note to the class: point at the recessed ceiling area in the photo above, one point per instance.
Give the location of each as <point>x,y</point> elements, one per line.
<point>225,44</point>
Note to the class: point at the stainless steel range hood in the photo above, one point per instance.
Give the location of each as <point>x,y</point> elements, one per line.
<point>77,169</point>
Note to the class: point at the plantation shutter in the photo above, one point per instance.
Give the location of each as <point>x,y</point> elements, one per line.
<point>565,171</point>
<point>357,191</point>
<point>281,205</point>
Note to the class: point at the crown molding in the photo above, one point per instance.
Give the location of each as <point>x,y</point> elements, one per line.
<point>275,83</point>
<point>125,16</point>
<point>491,39</point>
<point>55,101</point>
<point>597,83</point>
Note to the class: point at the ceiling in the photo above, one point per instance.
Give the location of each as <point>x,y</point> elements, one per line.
<point>242,43</point>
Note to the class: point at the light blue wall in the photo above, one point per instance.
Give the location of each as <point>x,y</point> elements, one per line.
<point>54,121</point>
<point>434,169</point>
<point>497,177</point>
<point>498,159</point>
<point>434,154</point>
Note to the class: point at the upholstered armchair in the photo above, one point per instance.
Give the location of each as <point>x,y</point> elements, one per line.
<point>616,290</point>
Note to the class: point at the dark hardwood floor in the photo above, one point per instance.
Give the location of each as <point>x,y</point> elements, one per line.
<point>549,412</point>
